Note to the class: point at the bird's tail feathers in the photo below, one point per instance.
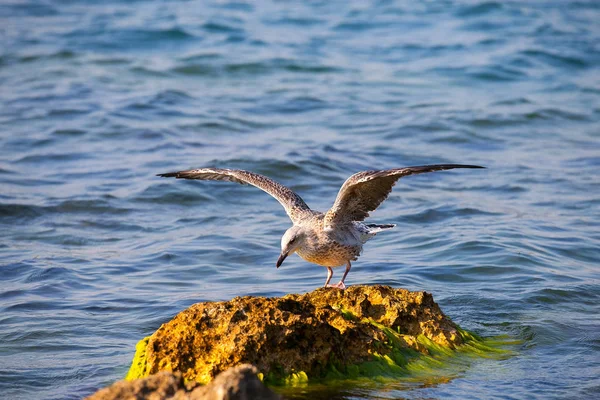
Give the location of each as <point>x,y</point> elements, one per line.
<point>376,228</point>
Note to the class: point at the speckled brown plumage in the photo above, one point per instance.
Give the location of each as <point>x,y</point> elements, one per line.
<point>293,204</point>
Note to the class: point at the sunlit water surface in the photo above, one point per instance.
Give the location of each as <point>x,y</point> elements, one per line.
<point>97,97</point>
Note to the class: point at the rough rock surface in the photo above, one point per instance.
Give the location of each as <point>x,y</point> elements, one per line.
<point>238,383</point>
<point>296,336</point>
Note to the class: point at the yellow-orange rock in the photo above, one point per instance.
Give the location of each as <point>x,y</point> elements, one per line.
<point>295,337</point>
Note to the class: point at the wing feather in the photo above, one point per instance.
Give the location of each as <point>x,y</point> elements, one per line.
<point>294,206</point>
<point>364,191</point>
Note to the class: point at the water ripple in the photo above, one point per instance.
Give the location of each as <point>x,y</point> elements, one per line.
<point>99,98</point>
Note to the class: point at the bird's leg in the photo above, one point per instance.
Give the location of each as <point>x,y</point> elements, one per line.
<point>329,275</point>
<point>346,272</point>
<point>340,284</point>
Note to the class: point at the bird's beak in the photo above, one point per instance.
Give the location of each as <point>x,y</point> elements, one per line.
<point>282,257</point>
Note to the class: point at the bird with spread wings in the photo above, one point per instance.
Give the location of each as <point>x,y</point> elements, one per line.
<point>333,238</point>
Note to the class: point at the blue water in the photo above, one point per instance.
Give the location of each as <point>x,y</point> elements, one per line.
<point>97,97</point>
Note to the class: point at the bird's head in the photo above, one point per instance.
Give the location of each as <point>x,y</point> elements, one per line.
<point>291,241</point>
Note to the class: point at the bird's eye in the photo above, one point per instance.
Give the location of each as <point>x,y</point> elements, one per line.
<point>292,240</point>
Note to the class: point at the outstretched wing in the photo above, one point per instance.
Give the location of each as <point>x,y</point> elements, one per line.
<point>364,191</point>
<point>293,204</point>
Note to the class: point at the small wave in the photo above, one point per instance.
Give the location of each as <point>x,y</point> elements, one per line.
<point>313,69</point>
<point>580,162</point>
<point>556,60</point>
<point>68,132</point>
<point>478,9</point>
<point>469,139</point>
<point>52,157</point>
<point>152,35</point>
<point>443,213</point>
<point>130,38</point>
<point>555,114</point>
<point>164,194</point>
<point>200,57</point>
<point>196,69</point>
<point>208,68</point>
<point>35,9</point>
<point>221,27</point>
<point>562,295</point>
<point>19,212</point>
<point>145,70</point>
<point>111,60</point>
<point>497,73</point>
<point>299,21</point>
<point>87,206</point>
<point>517,101</point>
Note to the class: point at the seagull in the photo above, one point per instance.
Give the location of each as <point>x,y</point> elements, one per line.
<point>333,238</point>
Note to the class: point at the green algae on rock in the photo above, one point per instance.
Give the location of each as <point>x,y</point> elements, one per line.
<point>327,333</point>
<point>138,365</point>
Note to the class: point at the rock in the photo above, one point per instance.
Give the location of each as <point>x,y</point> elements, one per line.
<point>325,333</point>
<point>156,387</point>
<point>238,383</point>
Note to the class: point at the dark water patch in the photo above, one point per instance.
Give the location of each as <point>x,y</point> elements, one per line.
<point>50,158</point>
<point>15,270</point>
<point>556,60</point>
<point>295,105</point>
<point>469,139</point>
<point>133,38</point>
<point>428,105</point>
<point>44,274</point>
<point>481,271</point>
<point>39,10</point>
<point>159,148</point>
<point>210,69</point>
<point>68,132</point>
<point>169,104</point>
<point>448,274</point>
<point>150,135</point>
<point>565,296</point>
<point>477,250</point>
<point>196,69</point>
<point>496,73</point>
<point>166,194</point>
<point>581,162</point>
<point>201,57</point>
<point>555,114</point>
<point>10,295</point>
<point>482,8</point>
<point>251,68</point>
<point>14,213</point>
<point>580,253</point>
<point>436,215</point>
<point>210,127</point>
<point>114,225</point>
<point>62,240</point>
<point>145,70</point>
<point>111,60</point>
<point>170,98</point>
<point>96,206</point>
<point>519,101</point>
<point>221,27</point>
<point>408,130</point>
<point>59,55</point>
<point>68,112</point>
<point>299,21</point>
<point>37,306</point>
<point>311,69</point>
